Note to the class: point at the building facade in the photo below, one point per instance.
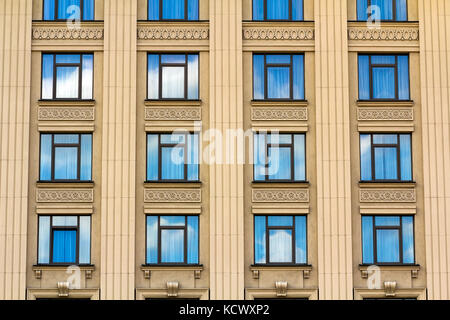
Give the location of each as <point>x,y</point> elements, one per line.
<point>236,149</point>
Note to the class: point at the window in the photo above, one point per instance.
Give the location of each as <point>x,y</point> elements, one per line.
<point>173,10</point>
<point>383,77</point>
<point>172,157</point>
<point>172,76</point>
<point>66,157</point>
<point>67,76</point>
<point>384,10</point>
<point>388,239</point>
<point>280,240</point>
<point>386,157</point>
<point>64,240</point>
<point>172,240</point>
<point>278,10</point>
<point>278,76</point>
<point>68,9</point>
<point>279,157</point>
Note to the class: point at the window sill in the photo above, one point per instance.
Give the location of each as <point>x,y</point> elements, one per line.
<point>39,268</point>
<point>62,184</point>
<point>293,23</point>
<point>149,268</point>
<point>384,102</point>
<point>281,102</point>
<point>65,102</point>
<point>365,269</point>
<point>257,268</point>
<point>384,23</point>
<point>159,22</point>
<point>387,184</point>
<point>280,184</point>
<point>173,184</point>
<point>174,102</point>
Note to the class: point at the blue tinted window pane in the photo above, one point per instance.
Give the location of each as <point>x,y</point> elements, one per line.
<point>299,157</point>
<point>297,10</point>
<point>259,156</point>
<point>401,10</point>
<point>66,138</point>
<point>383,9</point>
<point>152,239</point>
<point>405,157</point>
<point>408,239</point>
<point>174,138</point>
<point>153,76</point>
<point>280,221</point>
<point>388,246</point>
<point>69,9</point>
<point>298,77</point>
<point>44,240</point>
<point>173,9</point>
<point>386,163</point>
<point>258,76</point>
<point>279,163</point>
<point>85,240</point>
<point>86,157</point>
<point>64,246</point>
<point>278,83</point>
<point>383,81</point>
<point>66,163</point>
<point>192,9</point>
<point>277,9</point>
<point>67,58</point>
<point>88,10</point>
<point>67,82</point>
<point>173,58</point>
<point>49,10</point>
<point>387,221</point>
<point>280,246</point>
<point>193,76</point>
<point>47,76</point>
<point>258,9</point>
<point>172,246</point>
<point>87,76</point>
<point>173,221</point>
<point>260,239</point>
<point>385,139</point>
<point>46,157</point>
<point>366,157</point>
<point>382,59</point>
<point>153,9</point>
<point>278,59</point>
<point>192,245</point>
<point>300,240</point>
<point>173,82</point>
<point>361,10</point>
<point>172,163</point>
<point>193,157</point>
<point>152,157</point>
<point>367,239</point>
<point>364,77</point>
<point>65,221</point>
<point>279,138</point>
<point>403,77</point>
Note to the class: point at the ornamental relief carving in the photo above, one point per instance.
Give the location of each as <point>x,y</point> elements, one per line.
<point>283,113</point>
<point>172,195</point>
<point>366,114</point>
<point>65,195</point>
<point>66,113</point>
<point>387,34</point>
<point>173,113</point>
<point>64,33</point>
<point>280,195</point>
<point>387,195</point>
<point>277,33</point>
<point>172,33</point>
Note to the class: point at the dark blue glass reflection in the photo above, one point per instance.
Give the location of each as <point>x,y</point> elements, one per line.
<point>382,10</point>
<point>68,10</point>
<point>173,10</point>
<point>277,10</point>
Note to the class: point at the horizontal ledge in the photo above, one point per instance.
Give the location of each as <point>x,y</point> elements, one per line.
<point>297,267</point>
<point>402,24</point>
<point>390,267</point>
<point>66,184</point>
<point>147,267</point>
<point>174,103</point>
<point>174,185</point>
<point>386,184</point>
<point>277,23</point>
<point>172,23</point>
<point>62,267</point>
<point>384,103</point>
<point>64,103</point>
<point>277,184</point>
<point>279,103</point>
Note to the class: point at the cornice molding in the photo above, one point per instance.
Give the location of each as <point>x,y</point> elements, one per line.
<point>280,195</point>
<point>387,195</point>
<point>64,195</point>
<point>384,33</point>
<point>61,31</point>
<point>172,195</point>
<point>173,113</point>
<point>283,113</point>
<point>66,114</point>
<point>169,31</point>
<point>385,114</point>
<point>277,33</point>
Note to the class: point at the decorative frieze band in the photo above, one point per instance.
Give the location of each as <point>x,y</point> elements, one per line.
<point>280,195</point>
<point>385,114</point>
<point>278,33</point>
<point>387,195</point>
<point>386,34</point>
<point>173,113</point>
<point>283,113</point>
<point>172,195</point>
<point>66,113</point>
<point>65,195</point>
<point>65,33</point>
<point>173,33</point>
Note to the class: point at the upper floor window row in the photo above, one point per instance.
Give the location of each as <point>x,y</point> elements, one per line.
<point>278,77</point>
<point>277,10</point>
<point>68,9</point>
<point>172,10</point>
<point>383,77</point>
<point>383,10</point>
<point>67,76</point>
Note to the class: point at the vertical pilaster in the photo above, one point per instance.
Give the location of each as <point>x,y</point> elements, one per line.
<point>333,150</point>
<point>119,151</point>
<point>434,16</point>
<point>15,70</point>
<point>226,180</point>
